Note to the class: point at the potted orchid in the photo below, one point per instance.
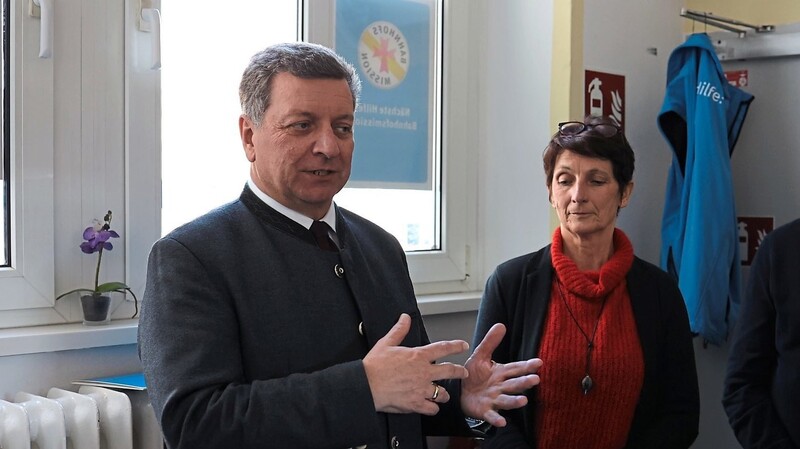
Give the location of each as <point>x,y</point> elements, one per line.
<point>96,302</point>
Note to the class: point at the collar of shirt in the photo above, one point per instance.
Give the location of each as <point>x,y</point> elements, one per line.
<point>329,218</point>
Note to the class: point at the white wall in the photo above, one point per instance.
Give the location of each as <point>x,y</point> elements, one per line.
<point>36,373</point>
<point>514,214</point>
<point>617,36</point>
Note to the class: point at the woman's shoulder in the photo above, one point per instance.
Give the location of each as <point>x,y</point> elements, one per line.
<point>645,276</point>
<point>644,268</point>
<point>526,263</point>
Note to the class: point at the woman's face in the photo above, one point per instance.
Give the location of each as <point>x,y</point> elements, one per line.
<point>586,195</point>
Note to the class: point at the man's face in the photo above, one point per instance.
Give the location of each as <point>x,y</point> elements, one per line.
<point>302,152</point>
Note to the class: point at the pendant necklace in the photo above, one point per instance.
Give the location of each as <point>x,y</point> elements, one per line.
<point>586,383</point>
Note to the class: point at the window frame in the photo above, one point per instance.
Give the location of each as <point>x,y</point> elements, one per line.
<point>142,148</point>
<point>28,282</point>
<point>5,162</point>
<point>449,270</point>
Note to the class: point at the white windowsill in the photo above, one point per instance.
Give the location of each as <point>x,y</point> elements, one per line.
<point>449,303</point>
<point>63,337</point>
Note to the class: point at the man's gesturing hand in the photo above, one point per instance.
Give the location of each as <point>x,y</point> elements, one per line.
<point>495,386</point>
<point>401,378</point>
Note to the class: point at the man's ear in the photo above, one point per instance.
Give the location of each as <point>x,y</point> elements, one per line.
<point>246,133</point>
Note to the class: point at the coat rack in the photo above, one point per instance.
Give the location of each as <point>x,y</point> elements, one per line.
<point>748,41</point>
<point>735,26</point>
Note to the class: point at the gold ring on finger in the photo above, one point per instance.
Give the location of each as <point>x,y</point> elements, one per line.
<point>435,392</point>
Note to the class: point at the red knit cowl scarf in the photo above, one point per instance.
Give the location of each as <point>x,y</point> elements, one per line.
<point>565,416</point>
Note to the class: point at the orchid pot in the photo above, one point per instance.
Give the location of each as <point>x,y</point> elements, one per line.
<point>96,309</point>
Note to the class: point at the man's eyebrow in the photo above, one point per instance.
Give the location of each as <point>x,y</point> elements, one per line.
<point>300,113</point>
<point>312,115</point>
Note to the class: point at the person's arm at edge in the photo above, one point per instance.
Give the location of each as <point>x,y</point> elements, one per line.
<point>747,398</point>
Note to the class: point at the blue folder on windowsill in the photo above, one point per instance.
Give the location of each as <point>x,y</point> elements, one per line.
<point>134,381</point>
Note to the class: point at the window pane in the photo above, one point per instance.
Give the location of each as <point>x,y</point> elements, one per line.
<point>410,215</point>
<point>395,182</point>
<point>203,164</point>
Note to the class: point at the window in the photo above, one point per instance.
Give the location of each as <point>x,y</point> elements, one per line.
<point>83,134</point>
<point>203,165</point>
<point>438,245</point>
<point>396,180</point>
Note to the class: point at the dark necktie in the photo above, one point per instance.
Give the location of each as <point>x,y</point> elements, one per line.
<point>320,230</point>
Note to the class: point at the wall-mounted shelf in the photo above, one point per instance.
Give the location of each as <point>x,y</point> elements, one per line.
<point>742,40</point>
<point>724,23</point>
<point>783,42</point>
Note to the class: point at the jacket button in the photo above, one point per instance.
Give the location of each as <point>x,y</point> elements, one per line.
<point>339,271</point>
<point>361,328</point>
<point>394,444</point>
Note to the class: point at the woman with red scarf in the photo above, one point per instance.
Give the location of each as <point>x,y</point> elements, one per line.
<point>612,329</point>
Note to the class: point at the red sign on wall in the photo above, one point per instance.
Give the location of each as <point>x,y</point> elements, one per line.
<point>737,78</point>
<point>605,96</point>
<point>752,231</point>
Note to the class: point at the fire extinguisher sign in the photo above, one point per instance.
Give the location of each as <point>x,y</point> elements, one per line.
<point>605,96</point>
<point>752,231</point>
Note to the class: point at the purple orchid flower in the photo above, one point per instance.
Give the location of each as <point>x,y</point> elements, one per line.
<point>96,237</point>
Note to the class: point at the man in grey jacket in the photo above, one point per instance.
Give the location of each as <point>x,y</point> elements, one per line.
<point>260,330</point>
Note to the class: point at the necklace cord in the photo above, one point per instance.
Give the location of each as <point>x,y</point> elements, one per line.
<point>586,383</point>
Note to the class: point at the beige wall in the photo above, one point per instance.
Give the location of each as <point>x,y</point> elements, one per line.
<point>774,12</point>
<point>566,76</point>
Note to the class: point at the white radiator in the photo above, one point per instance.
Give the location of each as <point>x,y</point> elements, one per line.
<point>91,418</point>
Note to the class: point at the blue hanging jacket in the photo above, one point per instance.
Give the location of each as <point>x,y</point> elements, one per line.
<point>701,118</point>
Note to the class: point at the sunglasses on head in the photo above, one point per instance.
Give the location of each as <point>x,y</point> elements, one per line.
<point>575,128</point>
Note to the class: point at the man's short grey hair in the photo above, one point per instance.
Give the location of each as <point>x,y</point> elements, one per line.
<point>300,59</point>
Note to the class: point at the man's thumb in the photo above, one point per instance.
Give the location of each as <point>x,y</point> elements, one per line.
<point>397,333</point>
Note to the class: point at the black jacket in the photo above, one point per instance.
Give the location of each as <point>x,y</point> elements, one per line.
<point>252,337</point>
<point>762,393</point>
<point>667,415</point>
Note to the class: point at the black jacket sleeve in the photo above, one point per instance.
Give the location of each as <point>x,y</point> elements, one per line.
<point>753,359</point>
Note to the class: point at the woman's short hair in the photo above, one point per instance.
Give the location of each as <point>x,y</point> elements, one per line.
<point>588,141</point>
<point>301,59</point>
